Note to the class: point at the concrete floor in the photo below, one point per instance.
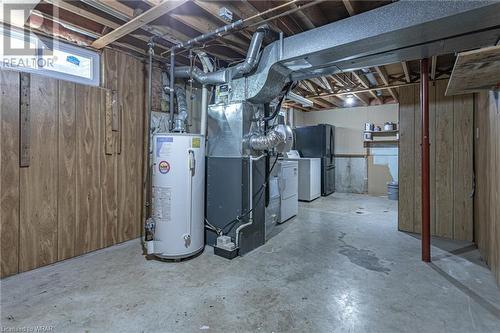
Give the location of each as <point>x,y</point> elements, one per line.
<point>339,266</point>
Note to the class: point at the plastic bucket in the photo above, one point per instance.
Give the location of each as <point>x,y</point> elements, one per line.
<point>393,191</point>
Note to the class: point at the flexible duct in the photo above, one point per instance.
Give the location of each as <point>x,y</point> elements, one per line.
<point>266,142</point>
<point>180,94</point>
<point>226,74</point>
<point>182,114</point>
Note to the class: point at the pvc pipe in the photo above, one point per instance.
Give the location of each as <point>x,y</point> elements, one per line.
<point>250,200</point>
<point>426,202</point>
<point>171,91</point>
<point>204,110</point>
<point>204,95</point>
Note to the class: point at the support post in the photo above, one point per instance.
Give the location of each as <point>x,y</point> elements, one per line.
<point>149,105</point>
<point>426,202</point>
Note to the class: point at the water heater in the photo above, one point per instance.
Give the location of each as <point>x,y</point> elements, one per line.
<point>178,180</point>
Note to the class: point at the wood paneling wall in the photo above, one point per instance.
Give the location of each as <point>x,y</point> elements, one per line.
<point>487,170</point>
<point>451,137</point>
<point>125,75</point>
<point>9,172</point>
<point>77,195</point>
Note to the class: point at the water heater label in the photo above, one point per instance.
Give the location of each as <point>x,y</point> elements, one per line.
<point>164,167</point>
<point>162,146</point>
<point>162,203</point>
<point>195,143</point>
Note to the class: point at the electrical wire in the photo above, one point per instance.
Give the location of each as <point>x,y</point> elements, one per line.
<point>290,85</point>
<point>260,192</point>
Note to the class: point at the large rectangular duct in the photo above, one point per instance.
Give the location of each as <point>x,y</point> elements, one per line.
<point>405,30</point>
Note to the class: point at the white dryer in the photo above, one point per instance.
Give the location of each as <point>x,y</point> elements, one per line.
<point>309,176</point>
<point>288,185</point>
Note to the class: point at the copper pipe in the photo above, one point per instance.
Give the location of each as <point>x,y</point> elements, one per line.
<point>244,23</point>
<point>426,202</point>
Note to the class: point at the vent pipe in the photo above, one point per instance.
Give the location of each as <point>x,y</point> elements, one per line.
<point>226,74</point>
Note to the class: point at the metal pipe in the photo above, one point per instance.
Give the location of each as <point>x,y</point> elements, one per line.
<point>147,181</point>
<point>217,32</point>
<point>242,23</point>
<point>426,202</point>
<point>250,199</point>
<point>252,55</point>
<point>171,91</point>
<point>204,109</point>
<point>149,100</point>
<point>200,76</point>
<point>226,74</point>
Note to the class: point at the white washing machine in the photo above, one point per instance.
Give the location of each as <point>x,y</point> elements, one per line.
<point>288,185</point>
<point>309,176</point>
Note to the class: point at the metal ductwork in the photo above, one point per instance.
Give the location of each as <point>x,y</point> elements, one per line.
<point>402,31</point>
<point>182,114</point>
<point>180,94</point>
<point>227,74</point>
<point>370,77</point>
<point>252,57</point>
<point>200,76</point>
<point>280,137</point>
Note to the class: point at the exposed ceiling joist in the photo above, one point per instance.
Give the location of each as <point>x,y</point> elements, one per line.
<point>361,78</point>
<point>343,93</point>
<point>323,103</point>
<point>385,78</point>
<point>137,22</point>
<point>309,86</point>
<point>406,71</point>
<point>326,83</point>
<point>362,99</point>
<point>375,96</point>
<point>349,7</point>
<point>83,13</point>
<point>96,18</point>
<point>433,67</point>
<point>335,100</point>
<point>394,94</point>
<point>213,8</point>
<point>382,74</point>
<point>118,6</point>
<point>304,19</point>
<point>320,83</point>
<point>203,25</point>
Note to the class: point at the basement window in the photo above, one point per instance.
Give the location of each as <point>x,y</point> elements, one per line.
<point>27,52</point>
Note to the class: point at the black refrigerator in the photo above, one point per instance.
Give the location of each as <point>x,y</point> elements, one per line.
<point>319,141</point>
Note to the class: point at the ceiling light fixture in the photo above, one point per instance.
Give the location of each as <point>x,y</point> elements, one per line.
<point>349,99</point>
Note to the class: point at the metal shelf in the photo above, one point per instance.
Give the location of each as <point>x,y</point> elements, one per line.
<point>381,143</point>
<point>383,133</point>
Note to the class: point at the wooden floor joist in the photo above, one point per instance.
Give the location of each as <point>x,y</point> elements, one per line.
<point>137,22</point>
